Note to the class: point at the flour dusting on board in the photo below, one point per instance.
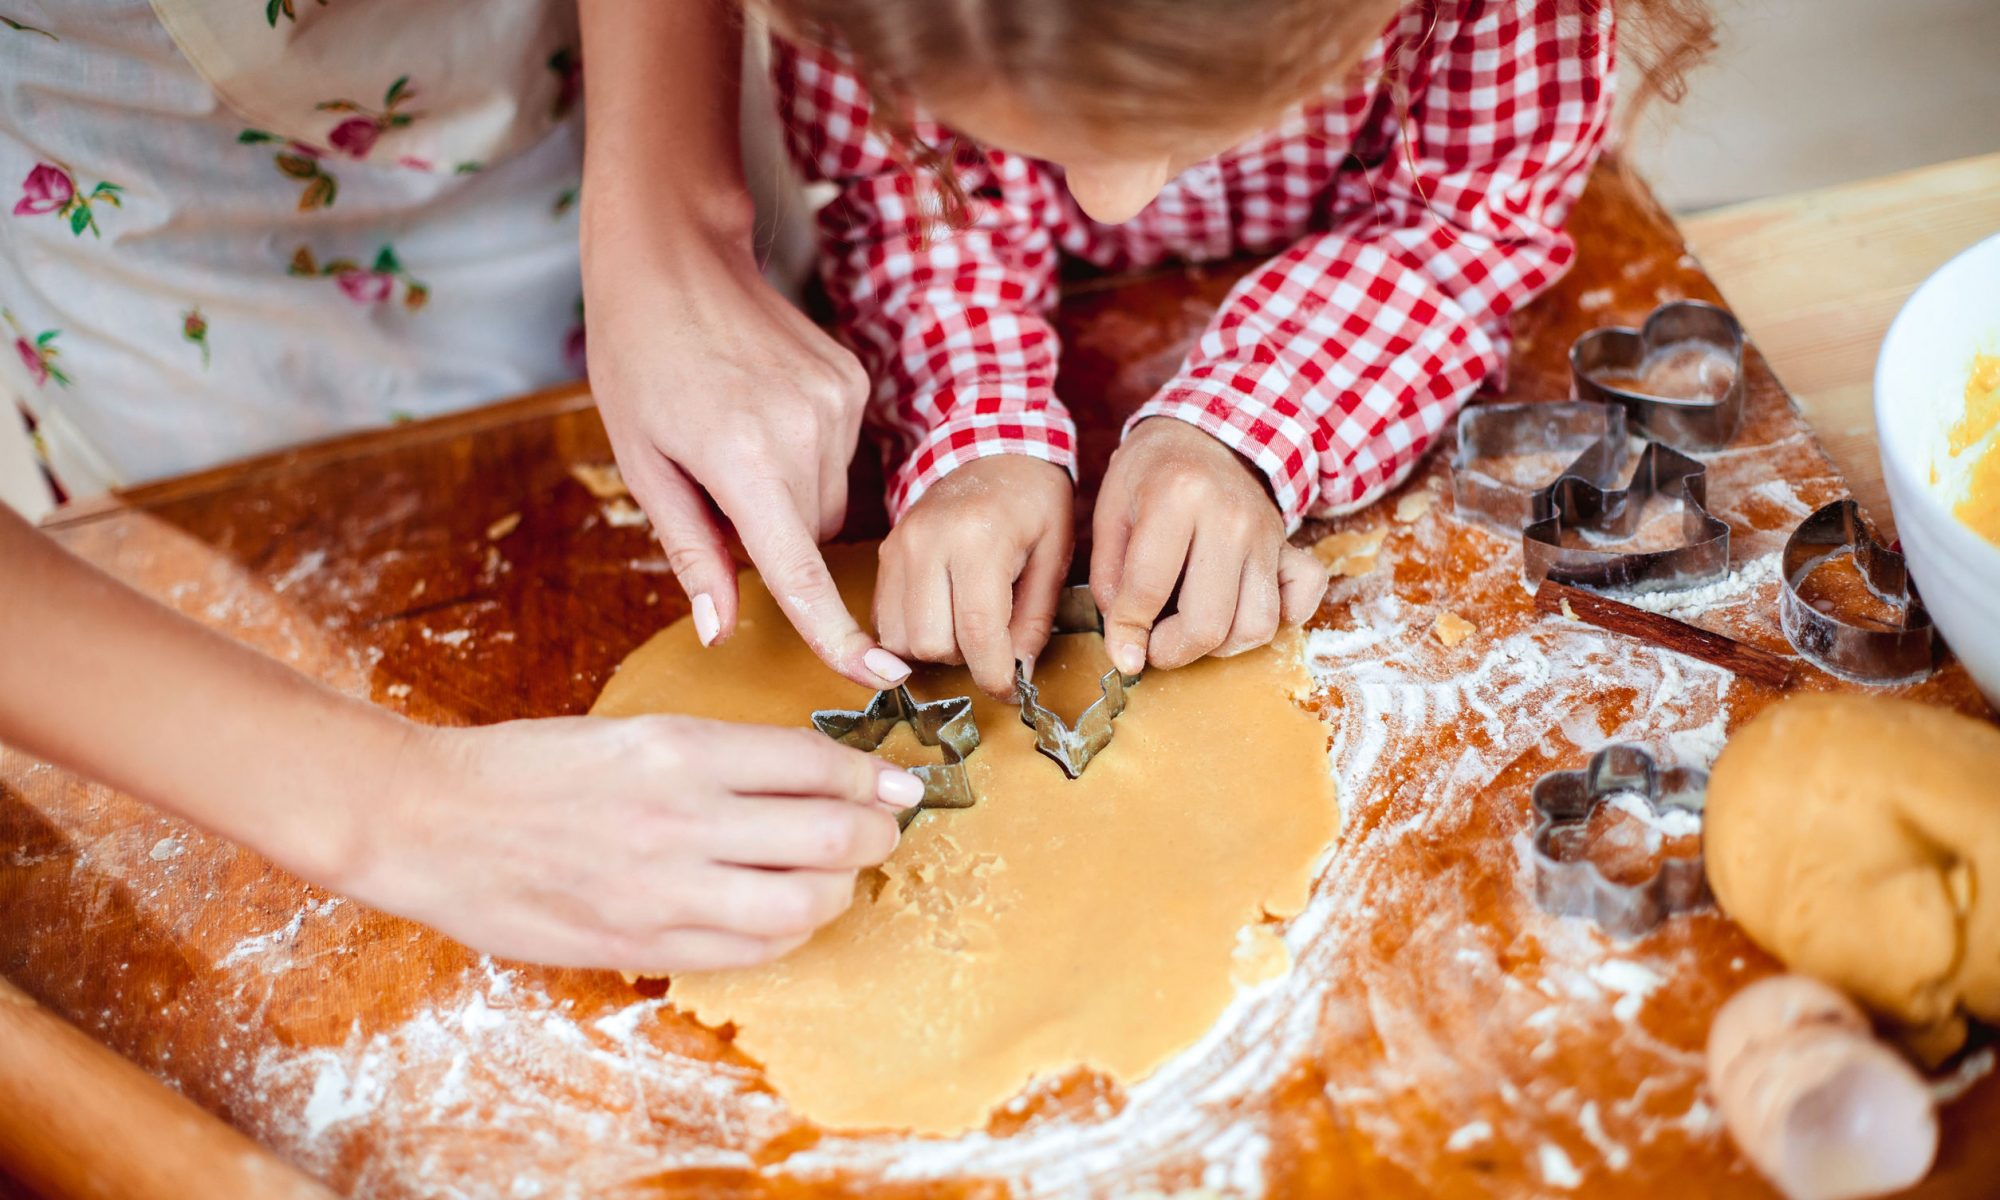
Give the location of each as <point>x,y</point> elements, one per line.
<point>1418,732</point>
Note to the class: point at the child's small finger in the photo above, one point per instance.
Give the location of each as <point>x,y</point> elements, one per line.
<point>1154,557</point>
<point>1302,581</point>
<point>927,611</point>
<point>1036,593</point>
<point>982,602</point>
<point>1258,608</point>
<point>1208,600</point>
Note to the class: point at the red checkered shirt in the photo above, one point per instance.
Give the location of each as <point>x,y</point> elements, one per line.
<point>1404,221</point>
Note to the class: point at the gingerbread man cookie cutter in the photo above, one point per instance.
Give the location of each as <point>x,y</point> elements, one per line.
<point>1877,653</point>
<point>943,723</point>
<point>1569,884</point>
<point>1699,341</point>
<point>1597,514</point>
<point>1074,746</point>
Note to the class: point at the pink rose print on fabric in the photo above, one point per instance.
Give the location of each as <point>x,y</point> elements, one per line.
<point>37,353</point>
<point>567,66</point>
<point>368,285</point>
<point>47,189</point>
<point>356,136</point>
<point>194,331</point>
<point>50,188</point>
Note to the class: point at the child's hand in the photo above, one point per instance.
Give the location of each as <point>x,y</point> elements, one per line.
<point>972,571</point>
<point>652,844</point>
<point>1178,506</point>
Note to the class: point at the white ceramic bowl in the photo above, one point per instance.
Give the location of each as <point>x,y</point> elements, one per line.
<point>1919,392</point>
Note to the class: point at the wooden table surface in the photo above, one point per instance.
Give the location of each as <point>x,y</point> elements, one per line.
<point>1456,1041</point>
<point>1816,277</point>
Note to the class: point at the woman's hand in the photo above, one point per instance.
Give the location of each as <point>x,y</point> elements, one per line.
<point>647,844</point>
<point>972,572</point>
<point>1179,508</point>
<point>725,405</point>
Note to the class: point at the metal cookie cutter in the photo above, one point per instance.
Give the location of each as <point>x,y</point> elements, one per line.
<point>946,723</point>
<point>1574,502</point>
<point>1568,884</point>
<point>1612,365</point>
<point>1876,653</point>
<point>1593,433</point>
<point>1072,747</point>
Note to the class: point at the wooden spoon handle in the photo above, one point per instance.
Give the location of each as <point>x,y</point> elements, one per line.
<point>77,1120</point>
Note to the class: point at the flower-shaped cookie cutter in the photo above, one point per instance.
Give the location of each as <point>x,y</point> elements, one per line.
<point>944,723</point>
<point>1569,884</point>
<point>1878,652</point>
<point>1593,433</point>
<point>1598,514</point>
<point>1611,366</point>
<point>1073,746</point>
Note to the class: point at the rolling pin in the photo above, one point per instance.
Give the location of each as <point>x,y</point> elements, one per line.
<point>77,1121</point>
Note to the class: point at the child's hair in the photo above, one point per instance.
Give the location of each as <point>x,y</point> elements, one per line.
<point>1170,66</point>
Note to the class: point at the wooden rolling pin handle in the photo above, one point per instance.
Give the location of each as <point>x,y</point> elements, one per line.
<point>78,1121</point>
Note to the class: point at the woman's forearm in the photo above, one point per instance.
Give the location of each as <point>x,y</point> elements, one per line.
<point>661,159</point>
<point>102,680</point>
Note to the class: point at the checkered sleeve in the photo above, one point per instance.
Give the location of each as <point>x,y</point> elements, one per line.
<point>951,325</point>
<point>1335,366</point>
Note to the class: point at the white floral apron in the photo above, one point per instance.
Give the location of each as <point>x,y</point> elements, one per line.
<point>232,225</point>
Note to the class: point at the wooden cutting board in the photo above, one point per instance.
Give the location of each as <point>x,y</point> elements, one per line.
<point>1438,1037</point>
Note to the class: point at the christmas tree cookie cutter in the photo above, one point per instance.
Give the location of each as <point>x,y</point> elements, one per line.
<point>1073,746</point>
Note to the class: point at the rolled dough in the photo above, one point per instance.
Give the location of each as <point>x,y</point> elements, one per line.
<point>1857,838</point>
<point>1101,923</point>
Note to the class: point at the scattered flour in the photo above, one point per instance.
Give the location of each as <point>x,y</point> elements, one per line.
<point>1557,1170</point>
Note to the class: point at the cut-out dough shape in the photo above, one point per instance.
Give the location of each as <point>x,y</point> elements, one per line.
<point>1058,923</point>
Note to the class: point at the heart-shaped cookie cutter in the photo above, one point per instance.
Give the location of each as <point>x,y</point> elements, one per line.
<point>1610,365</point>
<point>1568,884</point>
<point>1593,433</point>
<point>1072,747</point>
<point>944,723</point>
<point>1875,653</point>
<point>1573,502</point>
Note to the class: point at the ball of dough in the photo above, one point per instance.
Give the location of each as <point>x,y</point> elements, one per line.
<point>1857,838</point>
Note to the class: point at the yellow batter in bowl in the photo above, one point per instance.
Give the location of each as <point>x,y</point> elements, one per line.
<point>1979,509</point>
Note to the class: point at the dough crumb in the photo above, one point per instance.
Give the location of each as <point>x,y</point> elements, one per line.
<point>1569,614</point>
<point>602,480</point>
<point>1451,629</point>
<point>1352,553</point>
<point>1412,506</point>
<point>502,527</point>
<point>621,513</point>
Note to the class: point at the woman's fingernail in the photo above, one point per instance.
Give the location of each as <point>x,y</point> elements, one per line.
<point>706,624</point>
<point>899,788</point>
<point>887,666</point>
<point>1129,658</point>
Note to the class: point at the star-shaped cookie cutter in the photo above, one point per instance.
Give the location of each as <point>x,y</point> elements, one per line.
<point>1072,747</point>
<point>945,723</point>
<point>1600,514</point>
<point>1569,884</point>
<point>1876,653</point>
<point>1608,365</point>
